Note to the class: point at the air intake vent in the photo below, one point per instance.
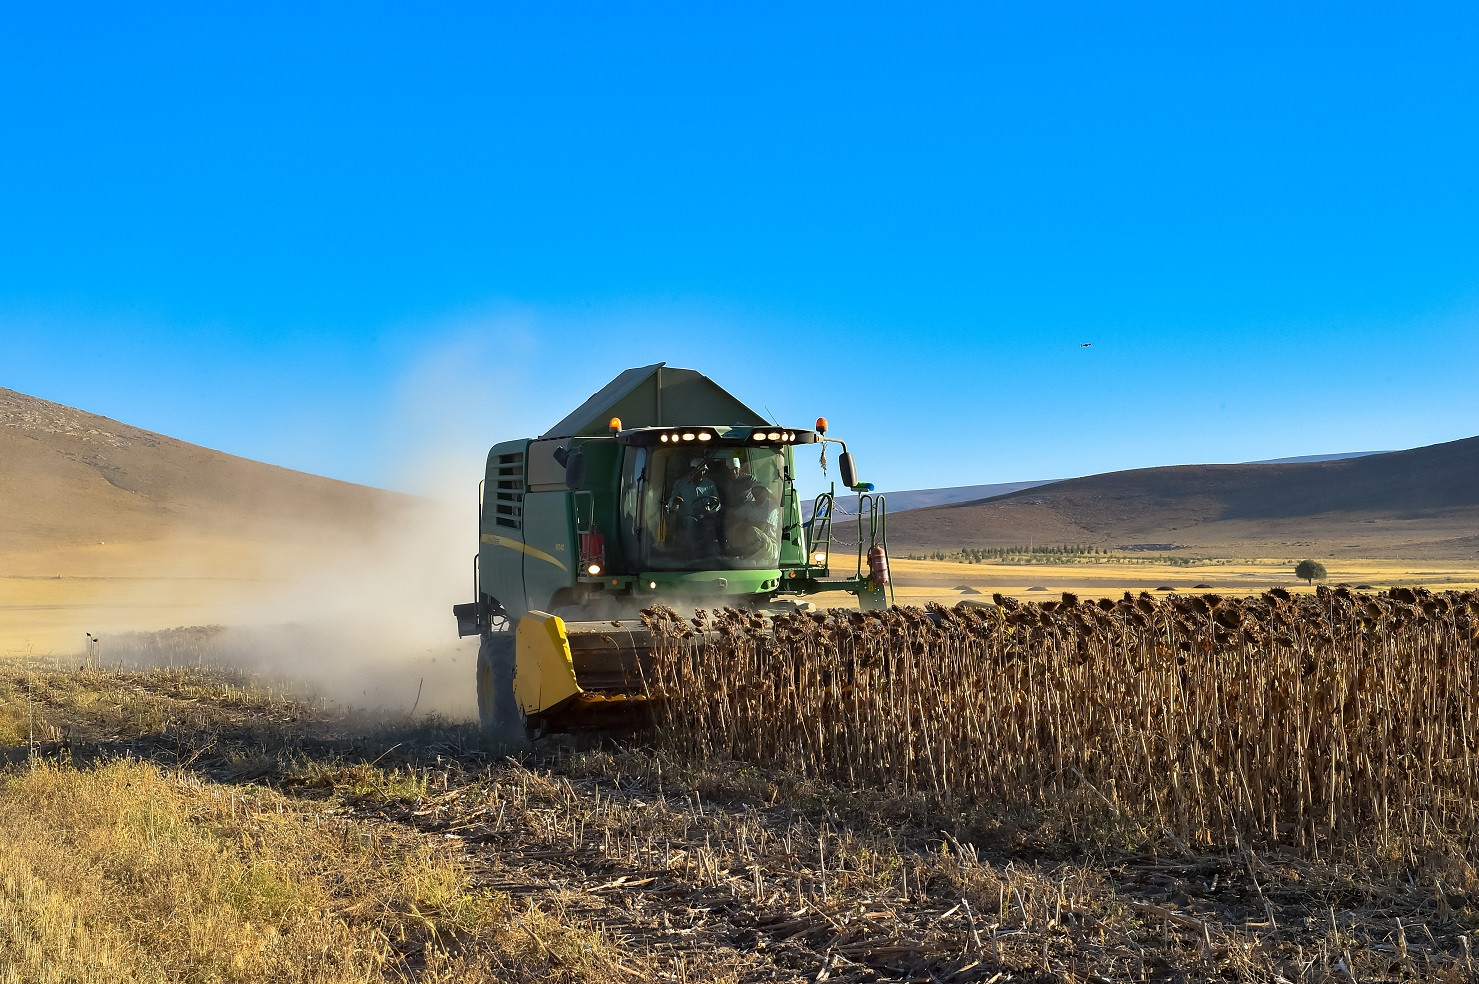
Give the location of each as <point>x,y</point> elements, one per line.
<point>508,491</point>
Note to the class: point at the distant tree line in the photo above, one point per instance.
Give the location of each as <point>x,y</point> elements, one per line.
<point>1063,553</point>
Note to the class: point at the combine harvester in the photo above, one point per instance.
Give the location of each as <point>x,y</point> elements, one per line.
<point>660,489</point>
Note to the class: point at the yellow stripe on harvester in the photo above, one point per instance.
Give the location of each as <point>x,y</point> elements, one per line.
<point>521,547</point>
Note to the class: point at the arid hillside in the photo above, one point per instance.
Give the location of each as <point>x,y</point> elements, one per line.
<point>107,527</point>
<point>1422,503</point>
<point>70,478</point>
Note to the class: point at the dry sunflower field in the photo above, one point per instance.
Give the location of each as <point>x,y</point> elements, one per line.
<point>1334,723</point>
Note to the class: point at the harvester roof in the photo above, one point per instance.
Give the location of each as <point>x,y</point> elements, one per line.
<point>656,396</point>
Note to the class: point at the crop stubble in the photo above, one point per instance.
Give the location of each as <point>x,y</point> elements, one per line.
<point>641,864</point>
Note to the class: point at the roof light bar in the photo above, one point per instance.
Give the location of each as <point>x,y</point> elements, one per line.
<point>678,435</point>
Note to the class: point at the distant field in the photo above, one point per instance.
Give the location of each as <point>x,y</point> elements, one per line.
<point>358,631</point>
<point>50,598</point>
<point>105,527</point>
<point>118,589</point>
<point>919,581</point>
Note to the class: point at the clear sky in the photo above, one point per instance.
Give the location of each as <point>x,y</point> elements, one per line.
<point>348,238</point>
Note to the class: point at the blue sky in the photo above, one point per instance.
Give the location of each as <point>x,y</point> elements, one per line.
<point>357,239</point>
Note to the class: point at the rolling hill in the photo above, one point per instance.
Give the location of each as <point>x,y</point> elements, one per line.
<point>903,499</point>
<point>108,526</point>
<point>1416,504</point>
<point>920,498</point>
<point>73,479</point>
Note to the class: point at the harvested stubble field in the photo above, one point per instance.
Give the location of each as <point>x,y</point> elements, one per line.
<point>194,824</point>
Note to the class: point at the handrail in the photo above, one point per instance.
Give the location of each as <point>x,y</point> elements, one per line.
<point>477,595</point>
<point>877,530</point>
<point>821,510</point>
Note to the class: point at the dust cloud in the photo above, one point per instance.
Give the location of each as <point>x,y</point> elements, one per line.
<point>370,624</point>
<point>357,608</point>
<point>367,620</point>
<point>364,623</point>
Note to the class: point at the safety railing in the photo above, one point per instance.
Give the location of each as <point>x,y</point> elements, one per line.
<point>819,530</point>
<point>877,532</point>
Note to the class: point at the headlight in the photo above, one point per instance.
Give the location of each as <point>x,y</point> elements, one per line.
<point>593,570</point>
<point>819,558</point>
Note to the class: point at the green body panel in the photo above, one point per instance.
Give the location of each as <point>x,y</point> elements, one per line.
<point>548,526</point>
<point>707,582</point>
<point>603,482</point>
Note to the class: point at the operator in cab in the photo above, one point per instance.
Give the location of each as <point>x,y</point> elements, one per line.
<point>693,507</point>
<point>718,513</point>
<point>751,512</point>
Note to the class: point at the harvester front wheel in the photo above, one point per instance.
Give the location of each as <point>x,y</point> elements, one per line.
<point>498,711</point>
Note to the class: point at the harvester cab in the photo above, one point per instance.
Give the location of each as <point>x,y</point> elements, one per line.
<point>660,488</point>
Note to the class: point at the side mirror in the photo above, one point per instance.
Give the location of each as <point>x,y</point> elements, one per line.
<point>848,469</point>
<point>575,469</point>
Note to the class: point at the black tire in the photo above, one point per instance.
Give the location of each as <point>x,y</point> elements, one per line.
<point>498,711</point>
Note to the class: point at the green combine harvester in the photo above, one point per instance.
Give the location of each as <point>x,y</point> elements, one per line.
<point>662,488</point>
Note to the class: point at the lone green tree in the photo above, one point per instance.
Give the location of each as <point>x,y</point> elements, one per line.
<point>1310,570</point>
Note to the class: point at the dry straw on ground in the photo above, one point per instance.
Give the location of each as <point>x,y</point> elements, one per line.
<point>179,824</point>
<point>1329,722</point>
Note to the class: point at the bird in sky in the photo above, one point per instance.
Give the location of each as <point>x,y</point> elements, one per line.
<point>1086,345</point>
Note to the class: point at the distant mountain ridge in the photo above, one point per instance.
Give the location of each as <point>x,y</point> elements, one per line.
<point>1299,458</point>
<point>1422,502</point>
<point>922,498</point>
<point>72,478</point>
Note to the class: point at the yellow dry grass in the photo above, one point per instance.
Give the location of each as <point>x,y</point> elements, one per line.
<point>126,872</point>
<point>121,869</point>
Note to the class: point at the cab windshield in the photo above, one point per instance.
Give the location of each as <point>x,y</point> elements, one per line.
<point>715,508</point>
